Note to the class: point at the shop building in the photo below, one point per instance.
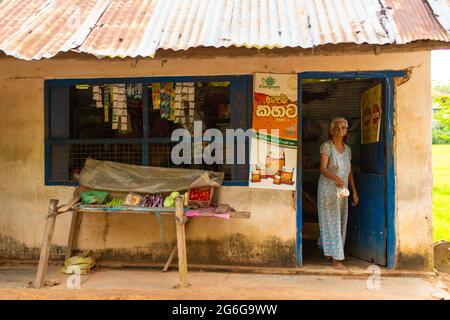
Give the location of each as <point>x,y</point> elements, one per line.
<point>59,59</point>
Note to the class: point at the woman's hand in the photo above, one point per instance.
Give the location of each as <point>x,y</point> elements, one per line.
<point>355,199</point>
<point>340,183</point>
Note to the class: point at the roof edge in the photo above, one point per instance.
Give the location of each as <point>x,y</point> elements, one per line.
<point>230,52</point>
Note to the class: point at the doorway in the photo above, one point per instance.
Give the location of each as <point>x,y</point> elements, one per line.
<point>370,229</point>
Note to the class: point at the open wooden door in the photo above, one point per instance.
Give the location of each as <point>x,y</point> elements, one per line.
<point>366,229</point>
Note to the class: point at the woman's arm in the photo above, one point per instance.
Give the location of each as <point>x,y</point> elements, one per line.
<point>327,173</point>
<point>352,186</point>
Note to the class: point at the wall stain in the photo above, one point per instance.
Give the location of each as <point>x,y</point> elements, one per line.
<point>13,249</point>
<point>106,229</point>
<point>239,249</point>
<point>236,249</point>
<point>412,262</point>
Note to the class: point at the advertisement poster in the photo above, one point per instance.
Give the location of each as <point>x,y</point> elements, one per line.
<point>273,148</point>
<point>371,115</point>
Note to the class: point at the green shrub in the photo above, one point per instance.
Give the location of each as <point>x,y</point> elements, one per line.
<point>441,136</point>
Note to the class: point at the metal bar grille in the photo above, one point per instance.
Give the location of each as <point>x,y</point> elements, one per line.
<point>67,160</point>
<point>159,154</point>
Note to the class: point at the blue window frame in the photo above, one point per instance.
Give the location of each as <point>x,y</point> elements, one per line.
<point>63,147</point>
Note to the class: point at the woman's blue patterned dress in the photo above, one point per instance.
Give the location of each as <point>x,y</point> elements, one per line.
<point>333,211</point>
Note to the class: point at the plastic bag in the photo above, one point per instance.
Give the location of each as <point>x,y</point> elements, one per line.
<point>82,264</point>
<point>343,192</point>
<point>94,197</point>
<point>115,176</point>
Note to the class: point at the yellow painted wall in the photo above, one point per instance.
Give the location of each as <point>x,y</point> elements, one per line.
<point>268,234</point>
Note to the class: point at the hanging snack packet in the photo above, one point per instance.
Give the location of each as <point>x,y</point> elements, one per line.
<point>171,91</point>
<point>165,104</point>
<point>156,91</point>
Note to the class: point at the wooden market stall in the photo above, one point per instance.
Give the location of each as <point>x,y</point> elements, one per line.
<point>93,170</point>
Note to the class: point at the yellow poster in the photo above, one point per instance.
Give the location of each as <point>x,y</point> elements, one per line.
<point>273,151</point>
<point>371,115</point>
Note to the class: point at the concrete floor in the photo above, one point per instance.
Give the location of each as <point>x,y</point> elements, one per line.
<point>153,284</point>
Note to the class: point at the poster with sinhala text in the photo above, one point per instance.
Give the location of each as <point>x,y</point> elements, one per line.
<point>273,148</point>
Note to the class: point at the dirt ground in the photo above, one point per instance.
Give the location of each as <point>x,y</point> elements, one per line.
<point>114,284</point>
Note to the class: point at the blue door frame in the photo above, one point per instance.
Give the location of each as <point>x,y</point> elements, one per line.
<point>387,77</point>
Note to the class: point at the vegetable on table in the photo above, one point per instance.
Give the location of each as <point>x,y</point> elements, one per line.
<point>200,194</point>
<point>153,201</point>
<point>169,201</point>
<point>186,199</point>
<point>175,194</point>
<point>115,202</point>
<point>133,199</point>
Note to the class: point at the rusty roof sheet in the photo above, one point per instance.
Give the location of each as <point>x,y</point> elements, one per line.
<point>42,28</point>
<point>415,20</point>
<point>441,10</point>
<point>121,28</point>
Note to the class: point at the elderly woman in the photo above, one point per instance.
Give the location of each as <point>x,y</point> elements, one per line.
<point>336,172</point>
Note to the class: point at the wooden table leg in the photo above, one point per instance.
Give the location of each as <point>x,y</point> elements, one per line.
<point>73,234</point>
<point>181,242</point>
<point>174,251</point>
<point>46,244</point>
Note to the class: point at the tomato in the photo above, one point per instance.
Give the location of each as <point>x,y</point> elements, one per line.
<point>200,194</point>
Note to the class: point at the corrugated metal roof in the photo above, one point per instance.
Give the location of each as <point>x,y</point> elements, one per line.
<point>42,28</point>
<point>416,20</point>
<point>441,10</point>
<point>121,28</point>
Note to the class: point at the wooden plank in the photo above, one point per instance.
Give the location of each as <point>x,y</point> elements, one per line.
<point>169,260</point>
<point>101,208</point>
<point>181,242</point>
<point>96,211</point>
<point>46,244</point>
<point>240,214</point>
<point>68,206</point>
<point>124,208</point>
<point>73,233</point>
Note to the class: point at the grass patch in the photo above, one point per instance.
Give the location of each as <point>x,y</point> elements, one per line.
<point>441,192</point>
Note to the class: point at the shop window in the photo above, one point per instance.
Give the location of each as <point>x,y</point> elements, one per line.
<point>106,111</point>
<point>132,122</point>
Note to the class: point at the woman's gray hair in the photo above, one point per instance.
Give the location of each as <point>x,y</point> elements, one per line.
<point>335,121</point>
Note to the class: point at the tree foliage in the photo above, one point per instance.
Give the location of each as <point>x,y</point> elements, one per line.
<point>443,87</point>
<point>441,103</point>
